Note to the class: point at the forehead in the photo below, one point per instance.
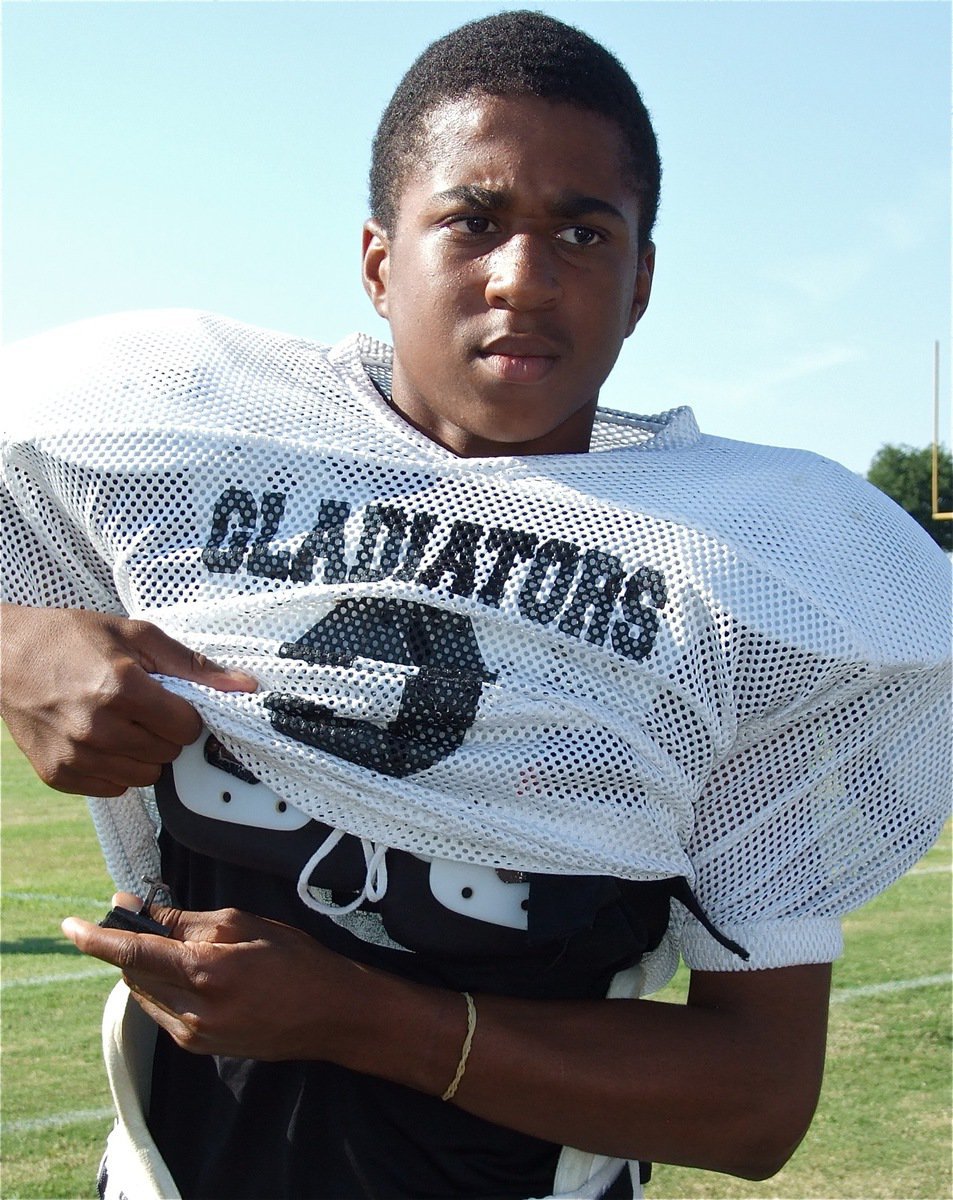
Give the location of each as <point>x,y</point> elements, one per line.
<point>521,143</point>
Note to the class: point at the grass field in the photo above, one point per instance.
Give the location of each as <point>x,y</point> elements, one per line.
<point>882,1129</point>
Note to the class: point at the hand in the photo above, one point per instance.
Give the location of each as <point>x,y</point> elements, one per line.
<point>80,701</point>
<point>227,982</point>
<point>727,1082</point>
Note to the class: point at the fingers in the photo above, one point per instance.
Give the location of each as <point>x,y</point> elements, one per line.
<point>109,751</point>
<point>177,980</point>
<point>214,983</point>
<point>145,953</point>
<point>82,701</point>
<point>179,1024</point>
<point>163,655</point>
<point>158,971</point>
<point>222,926</point>
<point>154,723</point>
<point>76,783</point>
<point>169,972</point>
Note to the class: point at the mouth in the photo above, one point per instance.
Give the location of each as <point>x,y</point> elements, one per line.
<point>519,359</point>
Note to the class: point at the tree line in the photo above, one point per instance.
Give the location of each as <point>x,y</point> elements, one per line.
<point>906,475</point>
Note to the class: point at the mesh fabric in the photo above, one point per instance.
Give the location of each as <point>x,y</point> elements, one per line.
<point>674,655</point>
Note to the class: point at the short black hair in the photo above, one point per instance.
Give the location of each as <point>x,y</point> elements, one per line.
<point>518,53</point>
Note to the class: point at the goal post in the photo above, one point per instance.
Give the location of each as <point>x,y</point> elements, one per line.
<point>935,480</point>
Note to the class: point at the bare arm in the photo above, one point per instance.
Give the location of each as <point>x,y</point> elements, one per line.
<point>727,1082</point>
<point>80,701</point>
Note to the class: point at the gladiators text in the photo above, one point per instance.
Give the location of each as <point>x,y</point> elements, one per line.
<point>587,593</point>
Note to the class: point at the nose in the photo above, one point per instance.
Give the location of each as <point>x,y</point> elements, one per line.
<point>523,274</point>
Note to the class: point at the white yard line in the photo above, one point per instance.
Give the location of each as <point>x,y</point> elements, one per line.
<point>58,977</point>
<point>58,1120</point>
<point>52,898</point>
<point>840,995</point>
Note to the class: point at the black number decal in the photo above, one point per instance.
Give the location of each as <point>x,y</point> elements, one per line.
<point>438,704</point>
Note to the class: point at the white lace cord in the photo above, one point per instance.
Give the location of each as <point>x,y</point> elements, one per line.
<point>375,882</point>
<point>375,878</point>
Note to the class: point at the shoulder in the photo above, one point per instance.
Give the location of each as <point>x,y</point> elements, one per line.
<point>836,541</point>
<point>786,541</point>
<point>102,363</point>
<point>126,366</point>
<point>800,503</point>
<point>127,340</point>
<point>88,342</point>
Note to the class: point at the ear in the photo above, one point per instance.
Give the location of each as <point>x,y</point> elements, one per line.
<point>375,271</point>
<point>643,286</point>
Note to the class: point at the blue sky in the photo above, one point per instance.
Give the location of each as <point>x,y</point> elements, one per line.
<point>213,155</point>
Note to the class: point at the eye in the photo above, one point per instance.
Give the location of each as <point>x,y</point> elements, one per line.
<point>474,225</point>
<point>580,235</point>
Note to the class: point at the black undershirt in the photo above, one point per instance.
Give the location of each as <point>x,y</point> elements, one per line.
<point>231,1129</point>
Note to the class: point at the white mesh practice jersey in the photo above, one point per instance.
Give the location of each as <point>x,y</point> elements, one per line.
<point>676,655</point>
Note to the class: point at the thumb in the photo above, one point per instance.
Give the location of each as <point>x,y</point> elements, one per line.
<point>160,654</point>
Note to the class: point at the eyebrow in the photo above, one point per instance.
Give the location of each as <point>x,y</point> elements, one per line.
<point>568,206</point>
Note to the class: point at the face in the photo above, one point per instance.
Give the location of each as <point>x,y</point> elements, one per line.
<point>511,277</point>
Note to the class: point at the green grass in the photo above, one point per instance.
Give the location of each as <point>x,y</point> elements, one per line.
<point>50,1051</point>
<point>882,1129</point>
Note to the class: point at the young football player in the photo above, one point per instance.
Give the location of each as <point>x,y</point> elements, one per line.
<point>451,709</point>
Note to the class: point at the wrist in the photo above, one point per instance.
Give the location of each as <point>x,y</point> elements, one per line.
<point>403,1031</point>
